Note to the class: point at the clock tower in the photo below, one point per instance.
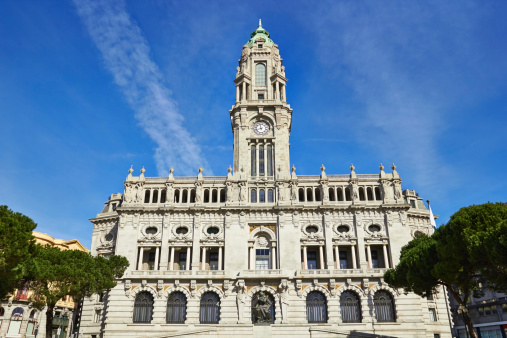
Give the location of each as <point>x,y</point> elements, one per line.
<point>261,118</point>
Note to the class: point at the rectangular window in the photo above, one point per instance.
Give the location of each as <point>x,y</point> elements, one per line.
<point>97,316</point>
<point>260,74</point>
<point>436,335</point>
<point>433,315</point>
<point>374,259</point>
<point>261,160</point>
<point>262,259</point>
<point>504,308</point>
<point>343,260</point>
<point>253,196</point>
<point>270,160</point>
<point>262,196</point>
<point>487,310</point>
<point>412,203</point>
<point>183,260</point>
<point>253,158</point>
<point>480,310</point>
<point>312,260</point>
<point>213,261</point>
<point>270,195</point>
<point>260,96</point>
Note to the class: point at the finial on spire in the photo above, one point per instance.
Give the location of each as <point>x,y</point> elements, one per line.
<point>131,170</point>
<point>381,167</point>
<point>229,169</point>
<point>143,170</point>
<point>260,24</point>
<point>293,168</point>
<point>393,167</point>
<point>352,167</point>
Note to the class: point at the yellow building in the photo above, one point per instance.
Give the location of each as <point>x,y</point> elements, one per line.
<point>19,319</point>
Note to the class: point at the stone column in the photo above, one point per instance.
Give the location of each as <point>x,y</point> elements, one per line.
<point>219,258</point>
<point>188,258</point>
<point>157,249</point>
<point>337,257</point>
<point>243,98</point>
<point>257,164</point>
<point>273,257</point>
<point>305,259</point>
<point>151,195</point>
<point>140,260</point>
<point>354,262</point>
<point>171,262</point>
<point>284,98</point>
<point>321,256</point>
<point>277,97</point>
<point>369,255</point>
<point>203,262</point>
<point>386,258</point>
<point>237,93</point>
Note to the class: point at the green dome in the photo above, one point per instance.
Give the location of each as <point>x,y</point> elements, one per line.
<point>260,33</point>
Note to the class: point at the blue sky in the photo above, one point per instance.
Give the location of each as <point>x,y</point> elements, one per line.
<point>88,89</point>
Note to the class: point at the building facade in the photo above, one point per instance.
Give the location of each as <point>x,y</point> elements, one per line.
<point>262,251</point>
<point>19,319</point>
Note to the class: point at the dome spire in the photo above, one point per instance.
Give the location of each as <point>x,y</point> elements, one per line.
<point>260,33</point>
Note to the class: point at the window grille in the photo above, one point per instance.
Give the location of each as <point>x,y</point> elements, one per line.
<point>350,307</point>
<point>176,308</point>
<point>260,74</point>
<point>384,307</point>
<point>210,308</point>
<point>143,308</point>
<point>316,307</point>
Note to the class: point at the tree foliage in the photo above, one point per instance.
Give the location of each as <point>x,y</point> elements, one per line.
<point>469,250</point>
<point>56,273</point>
<point>16,246</point>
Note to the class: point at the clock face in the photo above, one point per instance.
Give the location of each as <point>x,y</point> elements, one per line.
<point>261,128</point>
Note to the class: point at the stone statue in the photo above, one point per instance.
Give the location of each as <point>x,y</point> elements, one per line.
<point>242,192</point>
<point>293,191</point>
<point>325,191</point>
<point>397,191</point>
<point>262,308</point>
<point>281,191</point>
<point>229,191</point>
<point>241,299</point>
<point>138,196</point>
<point>169,192</point>
<point>388,191</point>
<point>354,191</point>
<point>283,288</point>
<point>198,192</point>
<point>128,193</point>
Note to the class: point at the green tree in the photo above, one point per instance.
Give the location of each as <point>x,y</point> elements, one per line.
<point>16,246</point>
<point>56,273</point>
<point>470,248</point>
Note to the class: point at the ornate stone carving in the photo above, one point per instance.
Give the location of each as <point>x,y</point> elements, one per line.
<point>387,191</point>
<point>127,286</point>
<point>169,192</point>
<point>397,191</point>
<point>160,287</point>
<point>281,219</point>
<point>229,191</point>
<point>193,287</point>
<point>293,190</point>
<point>354,191</point>
<point>281,191</point>
<point>243,192</point>
<point>295,219</point>
<point>228,219</point>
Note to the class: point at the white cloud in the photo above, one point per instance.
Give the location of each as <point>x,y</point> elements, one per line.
<point>126,56</point>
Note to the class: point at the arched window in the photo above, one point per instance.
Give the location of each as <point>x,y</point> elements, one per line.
<point>222,195</point>
<point>369,193</point>
<point>339,194</point>
<point>384,307</point>
<point>261,160</point>
<point>184,198</point>
<point>155,196</point>
<point>317,194</point>
<point>350,307</point>
<point>269,160</point>
<point>377,194</point>
<point>214,196</point>
<point>192,196</point>
<point>209,309</point>
<point>147,196</point>
<point>301,195</point>
<point>253,158</point>
<point>143,308</point>
<point>163,196</point>
<point>262,196</point>
<point>361,194</point>
<point>206,195</point>
<point>253,196</point>
<point>331,195</point>
<point>33,315</point>
<point>316,307</point>
<point>17,313</point>
<point>177,196</point>
<point>260,74</point>
<point>176,308</point>
<point>263,308</point>
<point>2,311</point>
<point>347,194</point>
<point>309,194</point>
<point>270,196</point>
